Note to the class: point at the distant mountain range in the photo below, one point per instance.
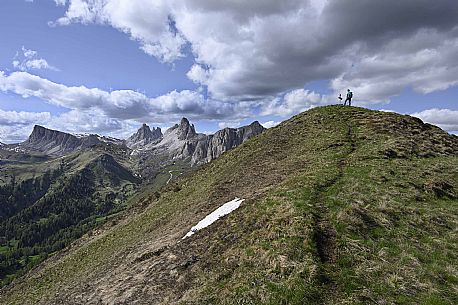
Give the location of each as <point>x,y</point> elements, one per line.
<point>180,142</point>
<point>184,143</point>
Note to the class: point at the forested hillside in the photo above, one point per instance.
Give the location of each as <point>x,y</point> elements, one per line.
<point>46,205</point>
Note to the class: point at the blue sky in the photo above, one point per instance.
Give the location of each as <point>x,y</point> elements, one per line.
<point>105,67</point>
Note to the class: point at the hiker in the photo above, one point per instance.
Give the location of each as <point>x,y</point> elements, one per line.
<point>349,97</point>
<point>340,98</point>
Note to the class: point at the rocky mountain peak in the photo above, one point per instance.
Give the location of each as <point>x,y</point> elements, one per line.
<point>144,136</point>
<point>54,142</point>
<point>184,122</point>
<point>256,124</point>
<point>186,130</point>
<point>146,133</point>
<point>40,133</point>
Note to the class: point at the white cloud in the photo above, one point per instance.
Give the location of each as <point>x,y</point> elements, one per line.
<point>424,62</point>
<point>29,53</point>
<point>147,22</point>
<point>198,74</point>
<point>270,124</point>
<point>123,104</point>
<point>29,60</point>
<point>85,122</point>
<point>377,49</point>
<point>15,126</point>
<point>60,2</point>
<point>293,102</point>
<point>22,117</point>
<point>233,124</point>
<point>444,118</point>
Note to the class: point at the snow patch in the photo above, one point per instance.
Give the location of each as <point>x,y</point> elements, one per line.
<point>81,135</point>
<point>223,210</point>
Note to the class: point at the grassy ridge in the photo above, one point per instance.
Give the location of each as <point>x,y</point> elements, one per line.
<point>344,206</point>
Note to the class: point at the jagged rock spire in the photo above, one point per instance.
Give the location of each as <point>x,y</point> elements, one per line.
<point>186,130</point>
<point>144,136</point>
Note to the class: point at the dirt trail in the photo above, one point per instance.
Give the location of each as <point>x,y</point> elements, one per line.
<point>171,176</point>
<point>324,233</point>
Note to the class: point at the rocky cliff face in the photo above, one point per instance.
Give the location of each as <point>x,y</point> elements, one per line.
<point>184,143</point>
<point>184,130</point>
<point>180,142</point>
<point>144,136</point>
<point>222,141</point>
<point>53,142</point>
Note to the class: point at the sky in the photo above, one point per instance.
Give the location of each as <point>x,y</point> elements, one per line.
<point>107,66</point>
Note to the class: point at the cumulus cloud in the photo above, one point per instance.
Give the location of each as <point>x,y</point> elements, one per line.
<point>293,102</point>
<point>122,104</point>
<point>270,124</point>
<point>15,126</point>
<point>259,49</point>
<point>29,60</point>
<point>60,2</point>
<point>444,118</point>
<point>76,121</point>
<point>404,64</point>
<point>233,124</point>
<point>198,74</point>
<point>22,117</point>
<point>148,22</point>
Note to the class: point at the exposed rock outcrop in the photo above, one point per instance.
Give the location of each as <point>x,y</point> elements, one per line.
<point>144,136</point>
<point>182,142</point>
<point>224,140</point>
<point>53,142</point>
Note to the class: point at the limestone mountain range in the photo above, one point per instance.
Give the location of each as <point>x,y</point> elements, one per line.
<point>180,142</point>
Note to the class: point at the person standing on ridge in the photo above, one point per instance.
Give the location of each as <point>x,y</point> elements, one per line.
<point>340,98</point>
<point>349,97</point>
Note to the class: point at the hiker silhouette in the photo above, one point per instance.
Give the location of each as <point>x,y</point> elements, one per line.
<point>340,98</point>
<point>349,97</point>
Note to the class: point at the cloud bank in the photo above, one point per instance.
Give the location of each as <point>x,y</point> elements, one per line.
<point>444,118</point>
<point>258,49</point>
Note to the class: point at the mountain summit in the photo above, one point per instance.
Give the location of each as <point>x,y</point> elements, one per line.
<point>144,136</point>
<point>182,142</point>
<point>55,142</point>
<point>185,130</point>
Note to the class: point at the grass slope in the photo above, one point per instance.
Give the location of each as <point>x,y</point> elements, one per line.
<point>343,206</point>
